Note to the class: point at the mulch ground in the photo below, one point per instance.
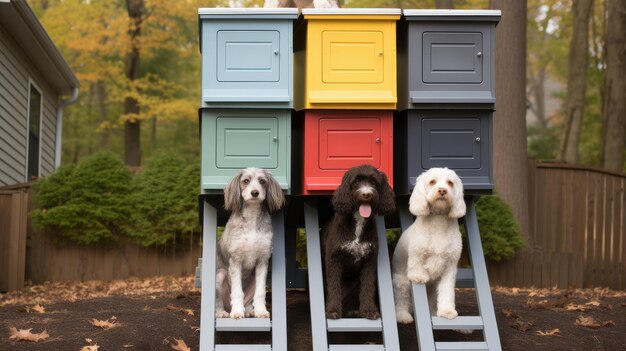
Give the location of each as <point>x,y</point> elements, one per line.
<point>164,314</point>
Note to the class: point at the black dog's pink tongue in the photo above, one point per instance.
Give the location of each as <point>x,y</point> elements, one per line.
<point>365,210</point>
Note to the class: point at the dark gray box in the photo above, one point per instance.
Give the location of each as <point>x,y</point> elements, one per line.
<point>457,139</point>
<point>446,57</point>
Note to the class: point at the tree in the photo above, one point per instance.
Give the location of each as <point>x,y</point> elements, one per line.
<point>509,119</point>
<point>614,103</point>
<point>576,81</point>
<point>132,69</point>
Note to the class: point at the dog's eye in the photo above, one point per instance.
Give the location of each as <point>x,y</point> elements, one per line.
<point>432,182</point>
<point>262,181</point>
<point>450,184</point>
<point>246,181</point>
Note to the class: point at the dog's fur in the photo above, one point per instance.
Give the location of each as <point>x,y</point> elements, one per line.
<point>350,240</point>
<point>428,251</point>
<point>302,3</point>
<point>245,247</point>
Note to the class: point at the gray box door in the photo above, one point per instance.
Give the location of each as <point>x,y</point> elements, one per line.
<point>452,57</point>
<point>451,142</point>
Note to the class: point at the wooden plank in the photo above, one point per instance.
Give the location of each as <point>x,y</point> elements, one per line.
<point>623,235</point>
<point>546,270</point>
<point>555,269</point>
<point>616,233</point>
<point>532,202</point>
<point>606,231</point>
<point>518,276</point>
<point>563,279</point>
<point>5,225</point>
<point>528,268</point>
<point>537,263</point>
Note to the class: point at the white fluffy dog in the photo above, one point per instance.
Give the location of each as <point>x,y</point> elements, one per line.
<point>245,247</point>
<point>429,250</point>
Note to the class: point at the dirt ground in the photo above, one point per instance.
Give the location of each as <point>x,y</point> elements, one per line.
<point>163,314</point>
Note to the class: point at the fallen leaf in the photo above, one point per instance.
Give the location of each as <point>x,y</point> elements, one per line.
<point>94,347</point>
<point>590,322</point>
<point>180,345</point>
<point>521,325</point>
<point>553,332</point>
<point>593,303</point>
<point>26,335</point>
<point>574,307</point>
<point>107,324</point>
<point>187,311</point>
<point>38,308</point>
<point>510,314</point>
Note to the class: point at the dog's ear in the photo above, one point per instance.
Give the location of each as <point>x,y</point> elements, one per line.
<point>342,198</point>
<point>458,207</point>
<point>418,204</point>
<point>274,197</point>
<point>232,194</point>
<point>387,197</point>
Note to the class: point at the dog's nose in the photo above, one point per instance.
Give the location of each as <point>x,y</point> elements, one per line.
<point>254,193</point>
<point>366,196</point>
<point>442,191</point>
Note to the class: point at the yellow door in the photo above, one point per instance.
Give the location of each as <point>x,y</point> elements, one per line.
<point>351,62</point>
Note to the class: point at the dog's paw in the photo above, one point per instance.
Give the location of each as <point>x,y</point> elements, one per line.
<point>418,277</point>
<point>237,313</point>
<point>369,314</point>
<point>447,313</point>
<point>332,314</point>
<point>222,314</point>
<point>261,313</point>
<point>404,317</point>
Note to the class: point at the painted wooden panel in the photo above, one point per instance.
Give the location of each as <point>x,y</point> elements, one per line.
<point>336,140</point>
<point>457,139</point>
<point>247,58</point>
<point>348,61</point>
<point>447,56</point>
<point>233,139</point>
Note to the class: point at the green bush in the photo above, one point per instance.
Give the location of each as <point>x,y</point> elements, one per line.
<point>499,231</point>
<point>87,203</point>
<point>164,201</point>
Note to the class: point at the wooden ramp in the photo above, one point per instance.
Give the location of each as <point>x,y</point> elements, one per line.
<point>209,324</point>
<point>320,325</point>
<point>475,277</point>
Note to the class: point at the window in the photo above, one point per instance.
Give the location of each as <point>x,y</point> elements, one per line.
<point>34,132</point>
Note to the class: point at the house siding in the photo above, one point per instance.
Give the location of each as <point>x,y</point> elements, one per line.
<point>15,73</point>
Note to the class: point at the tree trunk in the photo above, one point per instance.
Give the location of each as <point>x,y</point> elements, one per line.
<point>576,81</point>
<point>444,4</point>
<point>132,127</point>
<point>614,109</point>
<point>509,120</point>
<point>102,112</point>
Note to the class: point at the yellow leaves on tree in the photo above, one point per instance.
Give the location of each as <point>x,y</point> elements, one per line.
<point>27,335</point>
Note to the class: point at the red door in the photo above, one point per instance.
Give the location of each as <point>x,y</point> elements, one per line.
<point>336,140</point>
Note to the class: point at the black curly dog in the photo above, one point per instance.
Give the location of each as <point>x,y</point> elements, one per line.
<point>351,244</point>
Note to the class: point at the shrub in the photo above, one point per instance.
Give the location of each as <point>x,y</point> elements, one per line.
<point>164,201</point>
<point>499,231</point>
<point>85,203</point>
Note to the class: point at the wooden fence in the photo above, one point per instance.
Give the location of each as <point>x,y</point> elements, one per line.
<point>577,238</point>
<point>577,230</point>
<point>13,223</point>
<point>29,254</point>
